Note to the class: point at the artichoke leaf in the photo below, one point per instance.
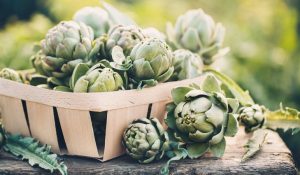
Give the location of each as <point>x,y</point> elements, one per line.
<point>178,94</point>
<point>211,84</point>
<point>218,149</point>
<point>232,126</point>
<point>80,70</point>
<point>196,150</point>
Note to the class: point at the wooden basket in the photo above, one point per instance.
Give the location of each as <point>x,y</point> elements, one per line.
<point>63,120</point>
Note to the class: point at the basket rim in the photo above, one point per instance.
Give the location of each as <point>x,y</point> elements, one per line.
<point>101,101</point>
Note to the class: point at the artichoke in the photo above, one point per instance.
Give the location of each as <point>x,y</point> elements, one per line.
<point>252,117</point>
<point>152,62</point>
<point>10,74</point>
<point>94,17</point>
<point>66,45</point>
<point>145,140</point>
<point>186,65</point>
<point>124,36</point>
<point>95,79</point>
<point>197,32</point>
<point>201,117</point>
<point>151,32</point>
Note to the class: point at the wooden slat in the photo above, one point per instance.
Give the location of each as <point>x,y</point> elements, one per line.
<point>13,115</point>
<point>117,122</point>
<point>78,132</point>
<point>42,124</point>
<point>93,101</point>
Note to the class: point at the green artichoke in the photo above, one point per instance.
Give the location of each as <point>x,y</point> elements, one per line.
<point>252,117</point>
<point>145,140</point>
<point>2,136</point>
<point>94,17</point>
<point>186,65</point>
<point>124,36</point>
<point>66,45</point>
<point>95,79</point>
<point>10,74</point>
<point>197,32</point>
<point>152,62</point>
<point>201,117</point>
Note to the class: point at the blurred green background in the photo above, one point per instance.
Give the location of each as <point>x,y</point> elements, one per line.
<point>263,37</point>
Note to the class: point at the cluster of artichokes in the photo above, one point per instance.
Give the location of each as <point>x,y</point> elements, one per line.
<point>130,56</point>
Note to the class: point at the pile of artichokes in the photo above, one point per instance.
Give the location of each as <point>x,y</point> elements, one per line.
<point>102,50</point>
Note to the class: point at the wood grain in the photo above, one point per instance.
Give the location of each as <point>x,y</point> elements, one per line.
<point>97,102</point>
<point>274,159</point>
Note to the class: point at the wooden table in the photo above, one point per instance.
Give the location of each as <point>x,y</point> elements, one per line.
<point>274,158</point>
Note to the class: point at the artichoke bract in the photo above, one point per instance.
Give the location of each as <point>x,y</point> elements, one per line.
<point>66,45</point>
<point>124,36</point>
<point>252,117</point>
<point>152,62</point>
<point>201,117</point>
<point>94,17</point>
<point>10,74</point>
<point>95,79</point>
<point>197,32</point>
<point>145,140</point>
<point>186,65</point>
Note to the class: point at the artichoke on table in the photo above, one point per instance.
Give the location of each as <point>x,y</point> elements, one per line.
<point>145,140</point>
<point>252,117</point>
<point>201,117</point>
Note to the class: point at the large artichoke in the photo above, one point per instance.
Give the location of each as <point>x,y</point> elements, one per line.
<point>145,140</point>
<point>95,79</point>
<point>186,65</point>
<point>252,117</point>
<point>197,32</point>
<point>94,17</point>
<point>66,45</point>
<point>152,62</point>
<point>201,117</point>
<point>10,74</point>
<point>124,36</point>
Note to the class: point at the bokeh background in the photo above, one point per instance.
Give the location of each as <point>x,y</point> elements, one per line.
<point>264,37</point>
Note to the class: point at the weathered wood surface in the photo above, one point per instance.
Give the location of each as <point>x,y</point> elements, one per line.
<point>274,158</point>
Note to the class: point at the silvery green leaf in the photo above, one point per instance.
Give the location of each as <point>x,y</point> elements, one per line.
<point>218,149</point>
<point>178,94</point>
<point>210,84</point>
<point>232,126</point>
<point>80,70</point>
<point>254,144</point>
<point>196,150</point>
<point>118,55</point>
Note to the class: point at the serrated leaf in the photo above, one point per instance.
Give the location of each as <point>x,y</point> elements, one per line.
<point>210,84</point>
<point>254,144</point>
<point>284,118</point>
<point>232,126</point>
<point>218,149</point>
<point>196,150</point>
<point>235,89</point>
<point>178,94</point>
<point>30,149</point>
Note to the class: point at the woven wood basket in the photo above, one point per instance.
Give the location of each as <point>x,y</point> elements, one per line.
<point>63,120</point>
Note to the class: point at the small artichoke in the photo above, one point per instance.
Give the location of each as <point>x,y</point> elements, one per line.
<point>252,117</point>
<point>145,140</point>
<point>152,62</point>
<point>186,65</point>
<point>94,17</point>
<point>95,79</point>
<point>197,32</point>
<point>201,117</point>
<point>66,45</point>
<point>10,74</point>
<point>124,36</point>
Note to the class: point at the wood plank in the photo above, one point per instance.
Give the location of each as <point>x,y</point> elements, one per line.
<point>275,159</point>
<point>42,124</point>
<point>13,115</point>
<point>117,122</point>
<point>97,102</point>
<point>78,132</point>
